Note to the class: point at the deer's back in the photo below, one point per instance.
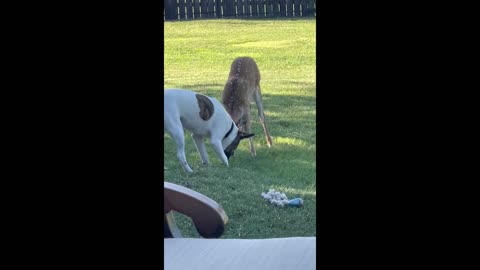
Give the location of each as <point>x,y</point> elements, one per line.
<point>243,79</point>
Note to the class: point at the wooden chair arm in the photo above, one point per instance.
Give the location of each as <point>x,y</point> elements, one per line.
<point>208,216</point>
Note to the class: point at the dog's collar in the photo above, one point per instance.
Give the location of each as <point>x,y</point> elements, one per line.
<point>230,131</point>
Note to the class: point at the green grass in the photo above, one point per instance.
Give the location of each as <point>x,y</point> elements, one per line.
<point>198,55</point>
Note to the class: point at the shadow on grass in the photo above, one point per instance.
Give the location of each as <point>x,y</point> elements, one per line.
<point>286,115</point>
<point>280,164</point>
<point>292,166</point>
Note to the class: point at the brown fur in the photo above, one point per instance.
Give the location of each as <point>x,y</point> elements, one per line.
<point>243,86</point>
<point>206,106</point>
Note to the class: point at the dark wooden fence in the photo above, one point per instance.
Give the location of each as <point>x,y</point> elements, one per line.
<point>204,9</point>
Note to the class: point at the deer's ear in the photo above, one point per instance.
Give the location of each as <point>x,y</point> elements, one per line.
<point>245,135</point>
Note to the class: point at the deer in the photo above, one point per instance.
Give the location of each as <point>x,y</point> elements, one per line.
<point>243,87</point>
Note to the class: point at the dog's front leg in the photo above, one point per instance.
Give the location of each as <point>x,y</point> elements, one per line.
<point>200,144</point>
<point>217,146</point>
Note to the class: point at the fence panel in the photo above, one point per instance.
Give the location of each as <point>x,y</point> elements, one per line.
<point>170,9</point>
<point>261,8</point>
<point>254,6</point>
<point>181,7</point>
<point>276,8</point>
<point>272,8</point>
<point>310,8</point>
<point>218,8</point>
<point>303,7</point>
<point>240,8</point>
<point>296,8</point>
<point>203,6</point>
<point>211,10</point>
<point>228,8</point>
<point>196,9</point>
<point>283,10</point>
<point>289,6</point>
<point>189,9</point>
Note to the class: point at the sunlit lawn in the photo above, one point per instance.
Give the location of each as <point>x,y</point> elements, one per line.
<point>198,55</point>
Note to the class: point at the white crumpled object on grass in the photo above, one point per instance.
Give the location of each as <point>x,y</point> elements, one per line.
<point>275,197</point>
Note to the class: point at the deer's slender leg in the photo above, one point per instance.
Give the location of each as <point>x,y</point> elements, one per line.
<point>248,126</point>
<point>258,100</point>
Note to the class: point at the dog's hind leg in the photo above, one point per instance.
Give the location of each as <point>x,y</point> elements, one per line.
<point>199,143</point>
<point>257,96</point>
<point>179,138</point>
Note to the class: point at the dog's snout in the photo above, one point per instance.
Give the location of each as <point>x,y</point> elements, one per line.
<point>229,154</point>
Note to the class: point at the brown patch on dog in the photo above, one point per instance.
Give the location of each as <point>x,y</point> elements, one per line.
<point>206,106</point>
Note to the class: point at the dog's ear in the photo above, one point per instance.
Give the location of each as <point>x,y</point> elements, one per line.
<point>245,135</point>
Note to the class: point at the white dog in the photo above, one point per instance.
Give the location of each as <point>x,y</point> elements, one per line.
<point>204,117</point>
